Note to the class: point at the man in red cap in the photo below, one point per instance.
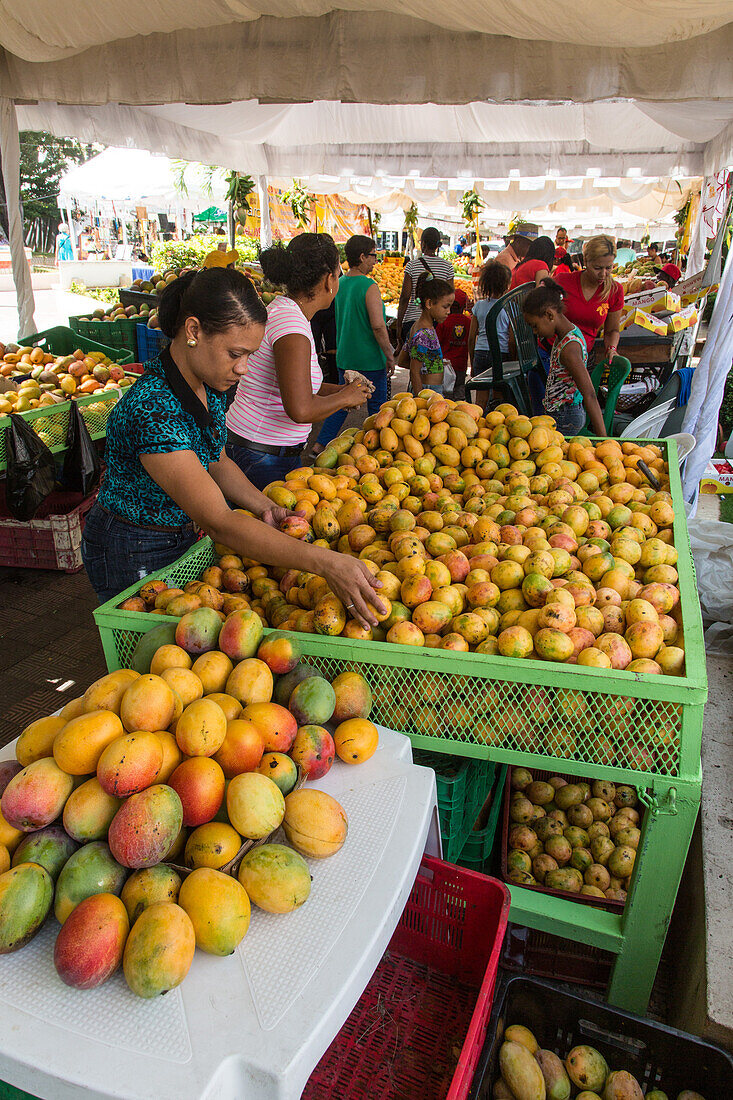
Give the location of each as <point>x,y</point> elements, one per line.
<point>670,274</point>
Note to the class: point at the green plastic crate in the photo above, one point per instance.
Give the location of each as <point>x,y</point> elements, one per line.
<point>54,419</point>
<point>462,787</point>
<point>477,851</point>
<point>64,341</point>
<point>506,709</point>
<point>118,334</point>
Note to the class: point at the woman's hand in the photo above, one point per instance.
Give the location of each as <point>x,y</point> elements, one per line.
<point>274,515</point>
<point>351,581</point>
<point>354,395</point>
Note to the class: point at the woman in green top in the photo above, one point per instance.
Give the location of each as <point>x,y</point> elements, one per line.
<point>362,342</point>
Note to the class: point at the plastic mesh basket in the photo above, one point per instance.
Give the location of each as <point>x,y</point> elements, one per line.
<point>116,334</point>
<point>150,342</point>
<point>462,787</point>
<point>419,1026</point>
<point>64,341</point>
<point>477,852</point>
<point>586,721</point>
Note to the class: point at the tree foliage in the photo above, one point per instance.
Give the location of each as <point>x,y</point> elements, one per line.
<point>44,159</point>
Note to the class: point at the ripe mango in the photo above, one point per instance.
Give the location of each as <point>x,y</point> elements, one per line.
<point>159,950</point>
<point>314,823</point>
<point>79,745</point>
<point>521,1072</point>
<point>36,796</point>
<point>557,1082</point>
<point>148,886</point>
<point>89,947</point>
<point>36,740</point>
<point>275,877</point>
<point>219,909</point>
<point>26,893</point>
<point>587,1068</point>
<point>89,811</point>
<point>106,692</point>
<point>145,826</point>
<point>50,848</point>
<point>621,1085</point>
<point>90,870</point>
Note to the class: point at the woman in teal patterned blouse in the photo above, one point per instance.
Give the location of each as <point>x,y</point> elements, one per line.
<point>422,353</point>
<point>167,470</point>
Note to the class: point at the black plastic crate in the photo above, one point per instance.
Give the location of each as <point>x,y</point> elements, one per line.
<point>658,1056</point>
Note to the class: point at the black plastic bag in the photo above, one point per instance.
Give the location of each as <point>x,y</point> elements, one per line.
<point>82,466</point>
<point>31,471</point>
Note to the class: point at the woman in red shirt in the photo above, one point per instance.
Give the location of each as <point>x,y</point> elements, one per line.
<point>593,299</point>
<point>536,264</point>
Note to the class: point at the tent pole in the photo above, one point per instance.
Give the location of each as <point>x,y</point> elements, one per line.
<point>265,223</point>
<point>10,159</point>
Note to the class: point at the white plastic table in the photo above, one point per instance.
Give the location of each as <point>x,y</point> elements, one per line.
<point>254,1025</point>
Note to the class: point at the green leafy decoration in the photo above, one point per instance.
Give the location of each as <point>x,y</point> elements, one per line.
<point>300,202</point>
<point>471,205</point>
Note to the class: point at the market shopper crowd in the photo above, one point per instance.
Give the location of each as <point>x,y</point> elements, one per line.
<point>178,458</point>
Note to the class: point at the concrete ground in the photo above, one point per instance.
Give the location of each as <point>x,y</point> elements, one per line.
<point>53,307</point>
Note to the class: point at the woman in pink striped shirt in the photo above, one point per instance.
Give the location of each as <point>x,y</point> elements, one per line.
<point>283,392</point>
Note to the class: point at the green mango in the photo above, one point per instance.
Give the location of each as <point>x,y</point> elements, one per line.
<point>163,634</point>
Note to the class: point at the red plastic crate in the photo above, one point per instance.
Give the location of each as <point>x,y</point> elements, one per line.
<point>420,1025</point>
<point>52,542</point>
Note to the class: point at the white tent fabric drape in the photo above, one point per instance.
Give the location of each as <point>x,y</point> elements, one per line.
<point>61,28</point>
<point>369,56</point>
<point>10,160</point>
<point>701,417</point>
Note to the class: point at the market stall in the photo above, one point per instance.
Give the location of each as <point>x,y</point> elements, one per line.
<point>542,609</point>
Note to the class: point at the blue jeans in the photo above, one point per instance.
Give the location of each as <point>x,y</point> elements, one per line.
<point>260,468</point>
<point>117,554</point>
<point>335,422</point>
<point>569,418</point>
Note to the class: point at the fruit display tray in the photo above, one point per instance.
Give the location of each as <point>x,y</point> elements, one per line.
<point>253,1024</point>
<point>658,1056</point>
<point>582,899</point>
<point>506,709</point>
<point>430,996</point>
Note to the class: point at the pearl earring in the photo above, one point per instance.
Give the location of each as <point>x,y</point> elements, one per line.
<point>192,343</point>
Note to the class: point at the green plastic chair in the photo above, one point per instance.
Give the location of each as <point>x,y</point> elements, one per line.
<point>618,372</point>
<point>512,384</point>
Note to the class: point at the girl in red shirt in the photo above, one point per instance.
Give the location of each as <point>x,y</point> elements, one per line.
<point>592,297</point>
<point>536,264</point>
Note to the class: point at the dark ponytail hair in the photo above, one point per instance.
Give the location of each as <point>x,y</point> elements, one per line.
<point>302,264</point>
<point>548,294</point>
<point>542,248</point>
<point>218,297</point>
<point>430,289</point>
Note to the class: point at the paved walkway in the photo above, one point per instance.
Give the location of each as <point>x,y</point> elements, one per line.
<point>53,307</point>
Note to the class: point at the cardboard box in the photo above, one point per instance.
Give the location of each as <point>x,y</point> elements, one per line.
<point>718,477</point>
<point>686,318</point>
<point>659,301</point>
<point>642,322</point>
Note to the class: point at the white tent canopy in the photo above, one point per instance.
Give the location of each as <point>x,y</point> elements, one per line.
<point>133,177</point>
<point>474,141</point>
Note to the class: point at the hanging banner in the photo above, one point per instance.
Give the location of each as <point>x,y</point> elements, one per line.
<point>329,214</point>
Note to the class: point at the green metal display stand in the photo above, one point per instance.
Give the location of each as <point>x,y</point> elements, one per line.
<point>580,721</point>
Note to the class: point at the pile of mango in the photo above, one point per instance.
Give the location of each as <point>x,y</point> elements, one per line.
<point>571,835</point>
<point>54,378</point>
<point>143,813</point>
<point>492,534</point>
<point>530,1073</point>
<point>119,313</point>
<point>388,278</point>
